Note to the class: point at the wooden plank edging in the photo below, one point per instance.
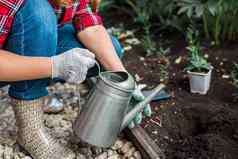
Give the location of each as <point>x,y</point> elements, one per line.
<point>145,144</point>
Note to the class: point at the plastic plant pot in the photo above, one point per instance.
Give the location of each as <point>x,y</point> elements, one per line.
<point>200,82</point>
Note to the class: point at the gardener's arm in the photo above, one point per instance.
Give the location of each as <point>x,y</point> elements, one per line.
<point>97,40</point>
<point>71,66</point>
<point>15,68</point>
<point>94,36</point>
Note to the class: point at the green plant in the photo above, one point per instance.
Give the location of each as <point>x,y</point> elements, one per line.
<point>162,52</point>
<point>219,17</point>
<point>163,72</point>
<point>106,4</point>
<point>142,10</point>
<point>198,9</point>
<point>197,63</point>
<point>192,35</point>
<point>234,74</point>
<point>228,19</point>
<point>149,45</point>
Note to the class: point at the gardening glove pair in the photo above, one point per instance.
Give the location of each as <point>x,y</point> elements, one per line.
<point>138,97</point>
<point>73,65</point>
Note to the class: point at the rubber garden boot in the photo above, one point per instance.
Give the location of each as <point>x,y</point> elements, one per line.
<point>32,134</point>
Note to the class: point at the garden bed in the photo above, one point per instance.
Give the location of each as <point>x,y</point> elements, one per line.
<point>190,125</point>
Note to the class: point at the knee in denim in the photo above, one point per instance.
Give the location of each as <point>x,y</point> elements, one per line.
<point>41,16</point>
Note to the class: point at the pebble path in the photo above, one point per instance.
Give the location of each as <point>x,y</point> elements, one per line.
<point>60,126</point>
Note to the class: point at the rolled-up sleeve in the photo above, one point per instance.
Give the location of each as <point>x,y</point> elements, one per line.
<point>5,25</point>
<point>85,17</point>
<point>8,9</point>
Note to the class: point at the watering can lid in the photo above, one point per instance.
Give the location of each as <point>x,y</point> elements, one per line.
<point>127,85</point>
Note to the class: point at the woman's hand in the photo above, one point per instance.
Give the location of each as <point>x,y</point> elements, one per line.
<point>73,65</point>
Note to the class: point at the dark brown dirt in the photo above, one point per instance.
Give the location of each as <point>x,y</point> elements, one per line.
<point>191,126</point>
<point>188,126</point>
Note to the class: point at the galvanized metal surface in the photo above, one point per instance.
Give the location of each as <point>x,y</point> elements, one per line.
<point>100,120</point>
<point>105,112</point>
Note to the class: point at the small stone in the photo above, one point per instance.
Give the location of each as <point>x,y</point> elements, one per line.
<point>142,59</point>
<point>96,150</point>
<point>133,41</point>
<point>130,152</point>
<point>110,152</point>
<point>27,157</point>
<point>225,76</point>
<point>80,156</point>
<point>85,151</point>
<point>102,156</point>
<point>206,56</point>
<point>83,89</point>
<point>1,150</point>
<point>126,147</point>
<point>166,137</point>
<point>8,153</point>
<point>16,156</point>
<point>225,59</point>
<point>178,60</point>
<point>114,157</point>
<point>137,155</point>
<point>155,132</point>
<point>127,48</point>
<point>118,144</point>
<point>21,154</point>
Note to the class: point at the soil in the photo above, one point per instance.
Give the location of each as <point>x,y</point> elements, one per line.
<point>191,126</point>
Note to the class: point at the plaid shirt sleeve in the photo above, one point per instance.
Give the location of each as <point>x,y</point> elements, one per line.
<point>85,17</point>
<point>8,9</point>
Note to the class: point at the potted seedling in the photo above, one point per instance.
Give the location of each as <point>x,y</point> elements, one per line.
<point>198,69</point>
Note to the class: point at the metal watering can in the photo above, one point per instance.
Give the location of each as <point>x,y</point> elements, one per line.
<point>106,111</point>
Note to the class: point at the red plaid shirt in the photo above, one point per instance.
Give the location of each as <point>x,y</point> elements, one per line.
<point>77,12</point>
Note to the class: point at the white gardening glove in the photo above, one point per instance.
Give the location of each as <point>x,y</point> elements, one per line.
<point>73,65</point>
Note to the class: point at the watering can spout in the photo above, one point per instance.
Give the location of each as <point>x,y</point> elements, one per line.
<point>140,106</point>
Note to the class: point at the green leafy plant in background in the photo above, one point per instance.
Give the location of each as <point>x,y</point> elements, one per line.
<point>164,15</point>
<point>163,72</point>
<point>142,10</point>
<point>228,19</point>
<point>219,17</point>
<point>198,9</point>
<point>106,4</point>
<point>162,52</point>
<point>148,43</point>
<point>197,63</point>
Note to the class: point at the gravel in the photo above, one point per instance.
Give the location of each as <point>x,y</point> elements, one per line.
<point>60,126</point>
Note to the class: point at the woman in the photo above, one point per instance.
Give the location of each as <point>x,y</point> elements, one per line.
<point>42,40</point>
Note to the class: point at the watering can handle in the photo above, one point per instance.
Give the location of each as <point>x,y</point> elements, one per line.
<point>140,106</point>
<point>98,67</point>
